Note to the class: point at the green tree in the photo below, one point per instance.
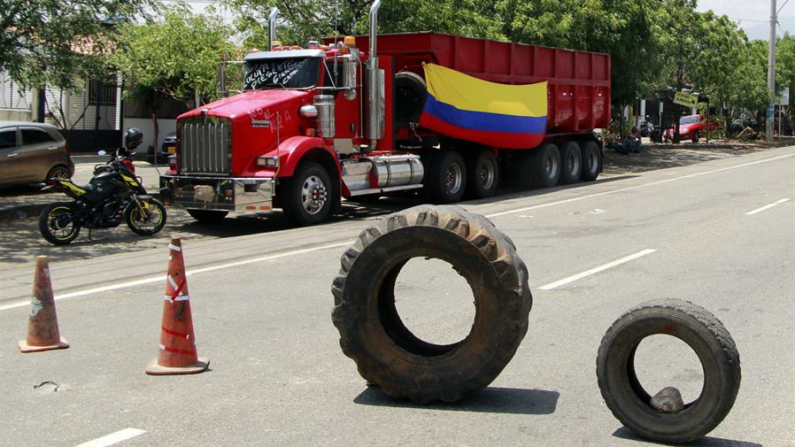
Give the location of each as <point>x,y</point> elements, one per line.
<point>176,57</point>
<point>302,20</point>
<point>47,42</point>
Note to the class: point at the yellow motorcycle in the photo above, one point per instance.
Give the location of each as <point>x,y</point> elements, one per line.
<point>113,195</point>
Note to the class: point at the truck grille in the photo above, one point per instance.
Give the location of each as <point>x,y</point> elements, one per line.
<point>205,145</point>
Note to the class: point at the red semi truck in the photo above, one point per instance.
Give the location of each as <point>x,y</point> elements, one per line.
<point>313,126</point>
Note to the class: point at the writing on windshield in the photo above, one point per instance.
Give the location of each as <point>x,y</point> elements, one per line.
<point>278,73</point>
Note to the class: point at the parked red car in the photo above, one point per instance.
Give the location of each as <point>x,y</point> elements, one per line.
<point>691,127</point>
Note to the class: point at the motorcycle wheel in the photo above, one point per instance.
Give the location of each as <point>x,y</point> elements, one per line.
<point>147,222</point>
<point>56,223</point>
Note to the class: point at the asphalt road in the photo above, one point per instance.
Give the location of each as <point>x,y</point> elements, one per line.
<point>261,303</point>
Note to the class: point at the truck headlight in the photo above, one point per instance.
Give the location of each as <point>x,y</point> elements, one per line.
<point>268,162</point>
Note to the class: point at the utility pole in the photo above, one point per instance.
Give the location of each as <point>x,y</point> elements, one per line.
<point>771,73</point>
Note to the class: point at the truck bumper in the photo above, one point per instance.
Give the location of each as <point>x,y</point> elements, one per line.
<point>240,195</point>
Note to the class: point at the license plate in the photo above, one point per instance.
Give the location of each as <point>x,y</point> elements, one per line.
<point>172,149</point>
<point>203,193</point>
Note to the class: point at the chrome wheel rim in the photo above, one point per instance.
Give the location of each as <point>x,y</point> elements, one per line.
<point>551,166</point>
<point>486,174</point>
<point>313,194</point>
<point>453,178</point>
<point>574,163</point>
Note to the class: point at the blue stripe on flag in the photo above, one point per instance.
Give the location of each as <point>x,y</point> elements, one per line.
<point>485,121</point>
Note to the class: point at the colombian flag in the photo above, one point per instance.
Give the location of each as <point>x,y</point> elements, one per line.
<point>504,116</point>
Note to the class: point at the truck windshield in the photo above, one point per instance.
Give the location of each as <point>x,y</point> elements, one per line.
<point>279,73</point>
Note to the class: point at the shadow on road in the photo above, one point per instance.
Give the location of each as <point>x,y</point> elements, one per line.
<point>707,441</point>
<point>488,400</point>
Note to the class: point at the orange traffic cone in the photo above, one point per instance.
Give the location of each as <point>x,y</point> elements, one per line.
<point>43,334</point>
<point>177,342</point>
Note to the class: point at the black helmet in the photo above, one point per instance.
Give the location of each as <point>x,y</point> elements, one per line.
<point>133,138</point>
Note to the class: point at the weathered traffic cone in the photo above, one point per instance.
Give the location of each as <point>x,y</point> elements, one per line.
<point>177,342</point>
<point>43,333</point>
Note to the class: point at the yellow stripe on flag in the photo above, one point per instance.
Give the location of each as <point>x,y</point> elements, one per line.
<point>465,92</point>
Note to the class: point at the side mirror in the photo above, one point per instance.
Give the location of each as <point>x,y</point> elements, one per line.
<point>102,153</point>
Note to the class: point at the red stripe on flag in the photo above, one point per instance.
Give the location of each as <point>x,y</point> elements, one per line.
<point>497,139</point>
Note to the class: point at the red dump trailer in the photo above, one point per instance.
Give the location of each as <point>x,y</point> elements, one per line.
<point>353,118</point>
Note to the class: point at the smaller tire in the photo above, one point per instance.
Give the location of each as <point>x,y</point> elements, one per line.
<point>446,180</point>
<point>571,162</point>
<point>147,221</point>
<point>308,195</point>
<point>483,175</point>
<point>208,216</point>
<point>57,225</point>
<point>623,392</point>
<point>591,161</point>
<point>545,166</point>
<point>59,172</point>
<point>695,137</point>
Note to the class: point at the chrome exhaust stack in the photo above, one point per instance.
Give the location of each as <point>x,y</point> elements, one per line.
<point>374,81</point>
<point>272,27</point>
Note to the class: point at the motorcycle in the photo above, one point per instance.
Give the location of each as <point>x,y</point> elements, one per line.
<point>113,195</point>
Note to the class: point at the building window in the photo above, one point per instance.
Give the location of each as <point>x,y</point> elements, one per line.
<point>101,93</point>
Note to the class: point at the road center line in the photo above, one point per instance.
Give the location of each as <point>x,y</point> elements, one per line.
<point>630,188</point>
<point>759,210</point>
<point>162,278</point>
<point>593,271</point>
<point>114,438</point>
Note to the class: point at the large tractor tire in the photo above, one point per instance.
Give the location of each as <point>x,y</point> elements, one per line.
<point>371,330</point>
<point>632,404</point>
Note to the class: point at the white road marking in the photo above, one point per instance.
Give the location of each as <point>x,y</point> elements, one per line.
<point>593,271</point>
<point>159,278</point>
<point>114,438</point>
<point>766,207</point>
<point>630,188</point>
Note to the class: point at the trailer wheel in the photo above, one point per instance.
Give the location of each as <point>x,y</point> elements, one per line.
<point>446,180</point>
<point>624,394</point>
<point>571,161</point>
<point>307,198</point>
<point>545,166</point>
<point>371,330</point>
<point>410,94</point>
<point>591,161</point>
<point>483,175</point>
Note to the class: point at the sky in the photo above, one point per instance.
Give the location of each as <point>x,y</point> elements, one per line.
<point>754,15</point>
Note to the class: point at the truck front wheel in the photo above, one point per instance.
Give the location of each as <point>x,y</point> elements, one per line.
<point>307,197</point>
